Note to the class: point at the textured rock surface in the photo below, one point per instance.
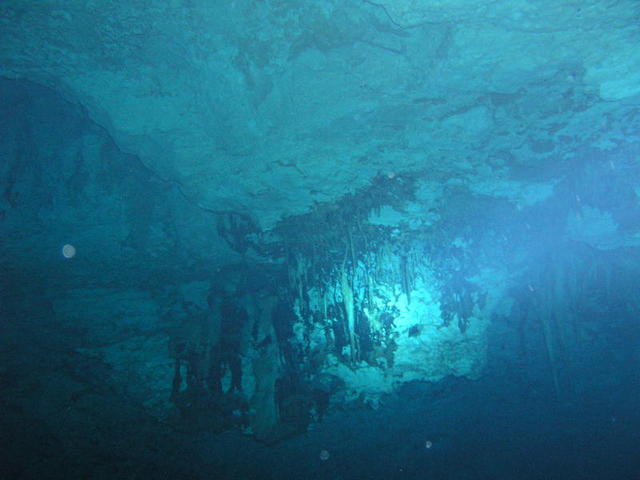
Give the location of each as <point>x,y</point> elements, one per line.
<point>267,107</point>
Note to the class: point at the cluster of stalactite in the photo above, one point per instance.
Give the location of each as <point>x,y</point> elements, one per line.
<point>337,275</point>
<point>235,366</point>
<point>564,299</point>
<point>204,349</point>
<point>352,268</point>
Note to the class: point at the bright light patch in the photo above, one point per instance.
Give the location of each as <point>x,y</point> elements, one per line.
<point>68,251</point>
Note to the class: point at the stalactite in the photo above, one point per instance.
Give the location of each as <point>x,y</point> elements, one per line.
<point>547,312</point>
<point>177,381</point>
<point>406,287</point>
<point>347,299</point>
<point>547,332</point>
<point>352,251</point>
<point>300,279</point>
<point>369,290</point>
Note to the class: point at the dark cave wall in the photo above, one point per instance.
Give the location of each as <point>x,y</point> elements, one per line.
<point>63,180</point>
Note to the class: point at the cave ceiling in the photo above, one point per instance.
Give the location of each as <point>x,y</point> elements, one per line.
<point>267,108</point>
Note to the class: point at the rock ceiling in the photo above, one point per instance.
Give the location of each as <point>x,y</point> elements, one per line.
<point>267,107</point>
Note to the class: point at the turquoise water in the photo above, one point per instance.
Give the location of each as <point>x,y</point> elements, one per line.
<point>328,240</point>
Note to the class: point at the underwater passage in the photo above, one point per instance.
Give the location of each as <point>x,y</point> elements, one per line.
<point>289,239</point>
